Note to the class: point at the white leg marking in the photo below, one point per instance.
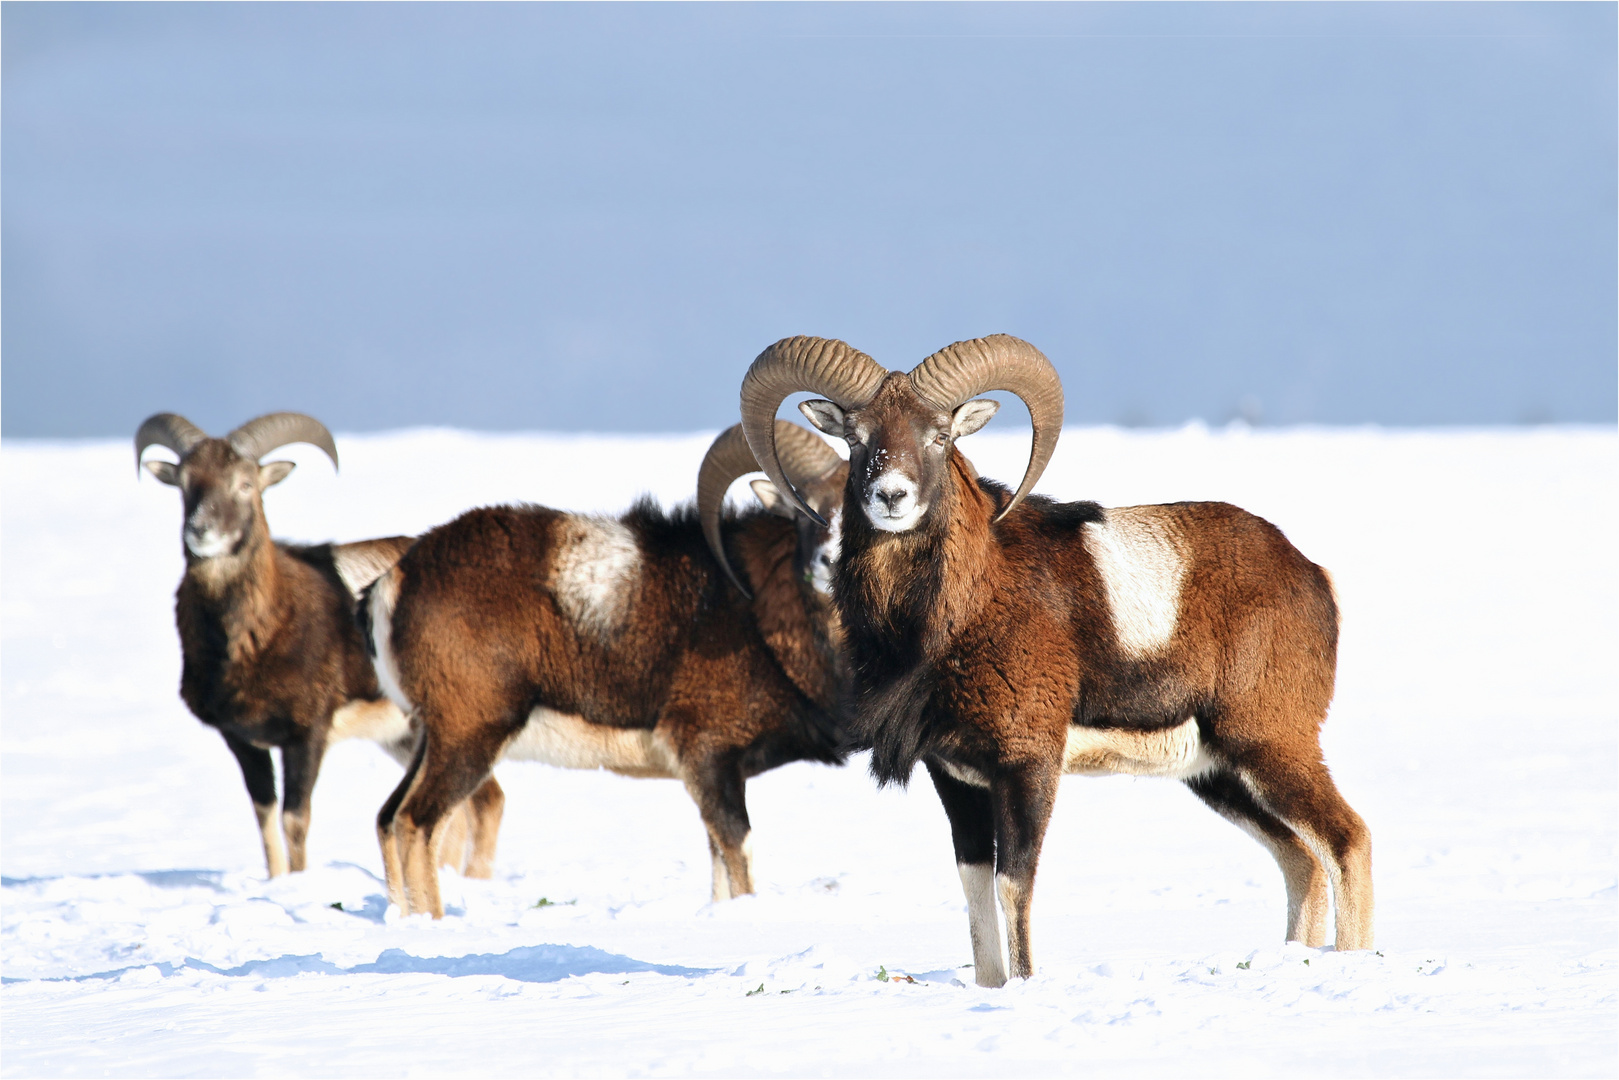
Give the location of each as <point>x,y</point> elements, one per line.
<point>1306,910</point>
<point>1353,914</point>
<point>1353,908</point>
<point>722,876</point>
<point>1013,902</point>
<point>1142,558</point>
<point>978,882</point>
<point>453,844</point>
<point>594,572</point>
<point>726,887</point>
<point>1175,752</point>
<point>275,860</point>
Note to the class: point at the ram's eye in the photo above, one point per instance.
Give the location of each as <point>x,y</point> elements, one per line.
<point>941,438</point>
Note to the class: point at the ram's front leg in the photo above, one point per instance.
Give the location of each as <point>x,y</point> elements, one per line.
<point>972,829</point>
<point>717,786</point>
<point>300,766</point>
<point>258,772</point>
<point>1023,799</point>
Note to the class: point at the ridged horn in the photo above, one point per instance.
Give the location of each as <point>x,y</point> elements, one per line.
<point>957,373</point>
<point>822,366</point>
<point>259,436</point>
<point>804,456</point>
<point>166,429</point>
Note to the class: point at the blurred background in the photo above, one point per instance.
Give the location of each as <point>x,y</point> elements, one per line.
<point>592,217</point>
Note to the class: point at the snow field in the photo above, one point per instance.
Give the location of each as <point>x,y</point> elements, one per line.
<point>1474,730</point>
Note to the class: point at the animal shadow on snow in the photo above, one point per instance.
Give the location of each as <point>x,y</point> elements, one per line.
<point>529,963</point>
<point>158,879</point>
<point>184,879</point>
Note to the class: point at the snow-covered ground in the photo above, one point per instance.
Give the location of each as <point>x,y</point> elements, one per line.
<point>1474,729</point>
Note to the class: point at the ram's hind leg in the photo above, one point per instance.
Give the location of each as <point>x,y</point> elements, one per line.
<point>972,829</point>
<point>453,851</point>
<point>484,810</point>
<point>717,786</point>
<point>451,769</point>
<point>452,841</point>
<point>1023,802</point>
<point>387,836</point>
<point>1293,783</point>
<point>1307,884</point>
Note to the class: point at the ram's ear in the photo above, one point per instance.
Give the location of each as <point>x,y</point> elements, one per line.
<point>825,415</point>
<point>771,498</point>
<point>166,471</point>
<point>274,472</point>
<point>972,416</point>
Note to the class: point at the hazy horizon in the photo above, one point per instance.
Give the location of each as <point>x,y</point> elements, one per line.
<point>592,217</point>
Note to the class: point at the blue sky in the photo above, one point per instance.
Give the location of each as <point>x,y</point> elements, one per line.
<point>592,217</point>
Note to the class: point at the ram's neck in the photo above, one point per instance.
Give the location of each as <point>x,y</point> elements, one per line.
<point>970,557</point>
<point>239,594</point>
<point>797,623</point>
<point>919,589</point>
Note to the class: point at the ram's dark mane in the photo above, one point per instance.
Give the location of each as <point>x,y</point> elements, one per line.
<point>318,557</point>
<point>819,734</point>
<point>1069,515</point>
<point>680,530</point>
<point>890,718</point>
<point>891,675</point>
<point>1064,515</point>
<point>682,519</point>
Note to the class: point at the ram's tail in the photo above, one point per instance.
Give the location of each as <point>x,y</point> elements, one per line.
<point>1332,588</point>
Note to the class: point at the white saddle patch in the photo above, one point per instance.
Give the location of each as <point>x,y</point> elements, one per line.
<point>595,572</point>
<point>1141,557</point>
<point>572,742</point>
<point>380,721</point>
<point>1175,752</point>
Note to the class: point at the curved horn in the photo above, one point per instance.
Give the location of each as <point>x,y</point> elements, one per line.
<point>258,437</point>
<point>804,456</point>
<point>166,429</point>
<point>959,372</point>
<point>821,366</point>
